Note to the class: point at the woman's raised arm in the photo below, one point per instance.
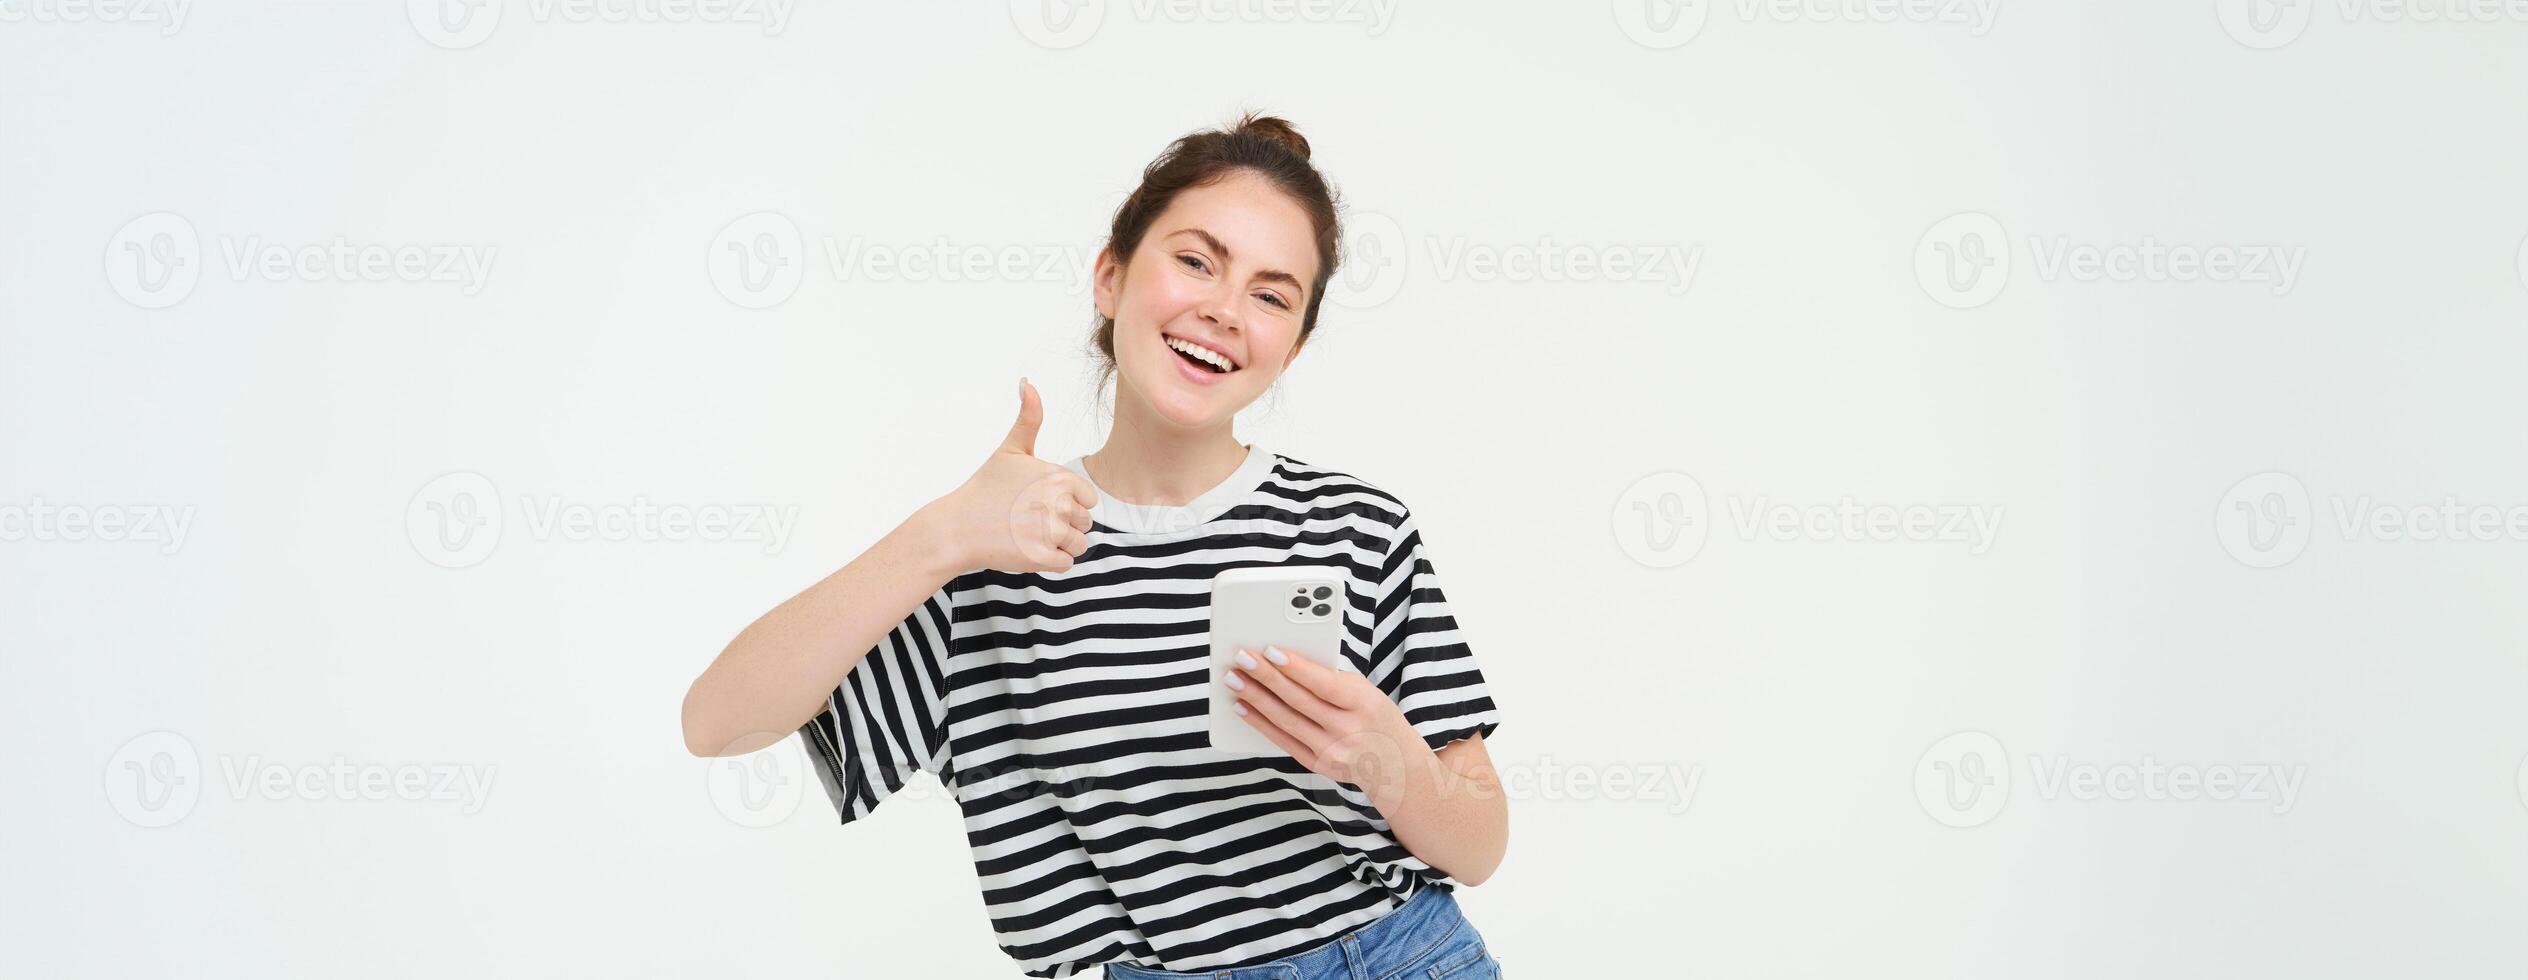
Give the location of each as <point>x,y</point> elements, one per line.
<point>1016,513</point>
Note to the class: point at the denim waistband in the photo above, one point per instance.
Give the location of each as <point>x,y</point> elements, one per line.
<point>1369,951</point>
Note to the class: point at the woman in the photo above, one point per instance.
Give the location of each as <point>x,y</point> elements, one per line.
<point>1037,638</point>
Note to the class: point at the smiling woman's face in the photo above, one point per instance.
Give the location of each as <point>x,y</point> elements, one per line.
<point>1225,267</point>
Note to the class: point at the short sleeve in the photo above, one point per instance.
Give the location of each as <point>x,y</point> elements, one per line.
<point>1417,654</point>
<point>888,718</point>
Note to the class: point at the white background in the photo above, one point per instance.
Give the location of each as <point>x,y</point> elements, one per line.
<point>2144,604</point>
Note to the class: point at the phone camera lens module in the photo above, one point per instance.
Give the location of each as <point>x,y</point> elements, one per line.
<point>1323,592</point>
<point>1320,610</point>
<point>1299,602</point>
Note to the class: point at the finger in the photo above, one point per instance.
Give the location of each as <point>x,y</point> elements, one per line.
<point>1036,523</point>
<point>1031,416</point>
<point>1082,492</point>
<point>1081,519</point>
<point>1040,552</point>
<point>1074,544</point>
<point>1334,687</point>
<point>1280,739</point>
<point>1278,681</point>
<point>1307,731</point>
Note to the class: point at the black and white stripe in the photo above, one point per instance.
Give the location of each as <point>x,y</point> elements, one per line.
<point>1067,714</point>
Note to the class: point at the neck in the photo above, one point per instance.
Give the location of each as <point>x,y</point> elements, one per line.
<point>1152,462</point>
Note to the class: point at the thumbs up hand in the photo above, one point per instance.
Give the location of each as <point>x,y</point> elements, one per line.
<point>1018,513</point>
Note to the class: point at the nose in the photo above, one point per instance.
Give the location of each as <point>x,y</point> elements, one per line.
<point>1220,306</point>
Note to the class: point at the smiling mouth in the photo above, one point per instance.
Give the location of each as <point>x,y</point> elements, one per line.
<point>1199,356</point>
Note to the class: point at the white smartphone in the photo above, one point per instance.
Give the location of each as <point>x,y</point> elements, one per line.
<point>1298,608</point>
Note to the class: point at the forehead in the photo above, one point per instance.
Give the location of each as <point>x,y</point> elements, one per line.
<point>1262,227</point>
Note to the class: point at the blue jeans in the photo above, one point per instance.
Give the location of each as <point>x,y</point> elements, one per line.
<point>1423,939</point>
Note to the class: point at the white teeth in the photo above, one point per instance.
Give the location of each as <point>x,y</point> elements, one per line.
<point>1200,353</point>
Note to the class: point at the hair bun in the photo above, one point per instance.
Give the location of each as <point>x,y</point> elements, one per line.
<point>1275,129</point>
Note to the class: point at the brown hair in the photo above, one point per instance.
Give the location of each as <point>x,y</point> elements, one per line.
<point>1266,145</point>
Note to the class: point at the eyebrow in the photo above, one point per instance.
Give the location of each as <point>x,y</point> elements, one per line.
<point>1267,275</point>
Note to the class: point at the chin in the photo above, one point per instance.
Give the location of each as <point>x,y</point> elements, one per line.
<point>1172,402</point>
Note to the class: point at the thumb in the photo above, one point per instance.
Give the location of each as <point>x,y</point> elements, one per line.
<point>1031,416</point>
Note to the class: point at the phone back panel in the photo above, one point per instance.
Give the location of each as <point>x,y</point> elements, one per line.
<point>1299,608</point>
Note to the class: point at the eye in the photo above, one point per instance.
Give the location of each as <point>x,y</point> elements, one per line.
<point>1276,298</point>
<point>1193,261</point>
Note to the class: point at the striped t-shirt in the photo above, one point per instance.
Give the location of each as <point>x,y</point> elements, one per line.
<point>1067,714</point>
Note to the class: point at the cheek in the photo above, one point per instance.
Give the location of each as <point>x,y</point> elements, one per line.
<point>1277,338</point>
<point>1163,298</point>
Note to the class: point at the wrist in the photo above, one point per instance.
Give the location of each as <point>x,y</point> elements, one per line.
<point>1417,777</point>
<point>925,542</point>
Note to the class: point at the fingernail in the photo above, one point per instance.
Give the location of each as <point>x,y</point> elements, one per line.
<point>1245,661</point>
<point>1235,682</point>
<point>1276,655</point>
<point>1242,707</point>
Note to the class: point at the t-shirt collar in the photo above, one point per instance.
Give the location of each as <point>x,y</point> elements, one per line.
<point>1156,519</point>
